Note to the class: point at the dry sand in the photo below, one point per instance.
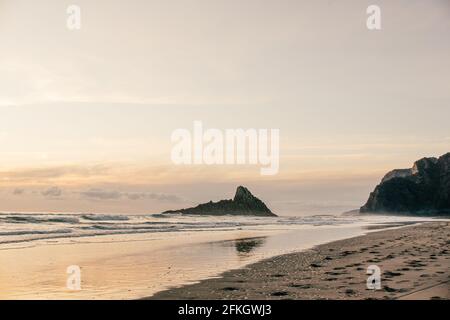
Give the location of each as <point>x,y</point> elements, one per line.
<point>414,262</point>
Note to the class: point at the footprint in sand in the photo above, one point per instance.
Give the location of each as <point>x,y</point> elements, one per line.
<point>389,289</point>
<point>390,274</point>
<point>350,292</point>
<point>402,281</point>
<point>403,269</point>
<point>279,293</point>
<point>301,286</point>
<point>331,279</point>
<point>416,264</point>
<point>230,289</point>
<point>335,273</point>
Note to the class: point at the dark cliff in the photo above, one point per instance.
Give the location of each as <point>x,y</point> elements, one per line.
<point>423,189</point>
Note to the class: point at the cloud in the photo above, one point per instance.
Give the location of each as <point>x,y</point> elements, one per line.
<point>153,196</point>
<point>54,172</point>
<point>101,194</point>
<point>52,192</point>
<point>18,191</point>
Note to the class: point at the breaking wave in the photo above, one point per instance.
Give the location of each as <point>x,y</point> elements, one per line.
<point>104,217</point>
<point>17,227</point>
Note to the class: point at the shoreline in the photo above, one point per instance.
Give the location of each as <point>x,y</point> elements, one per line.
<point>414,262</point>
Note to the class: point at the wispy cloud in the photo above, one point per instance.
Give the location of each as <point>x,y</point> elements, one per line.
<point>42,174</point>
<point>99,194</point>
<point>153,196</point>
<point>102,194</point>
<point>52,192</point>
<point>18,191</point>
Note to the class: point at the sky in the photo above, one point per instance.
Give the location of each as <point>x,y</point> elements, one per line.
<point>86,116</point>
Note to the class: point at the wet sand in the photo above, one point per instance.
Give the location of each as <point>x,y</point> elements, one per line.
<point>414,263</point>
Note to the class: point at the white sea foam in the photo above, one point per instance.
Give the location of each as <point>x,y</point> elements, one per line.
<point>104,217</point>
<point>16,227</point>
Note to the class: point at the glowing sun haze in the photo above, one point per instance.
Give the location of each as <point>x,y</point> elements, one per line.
<point>86,116</point>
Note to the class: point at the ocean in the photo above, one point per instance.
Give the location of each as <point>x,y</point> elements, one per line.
<point>135,256</point>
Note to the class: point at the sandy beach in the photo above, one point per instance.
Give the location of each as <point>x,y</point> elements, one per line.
<point>134,265</point>
<point>414,262</point>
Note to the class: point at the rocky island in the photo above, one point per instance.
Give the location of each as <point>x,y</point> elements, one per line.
<point>243,203</point>
<point>423,189</point>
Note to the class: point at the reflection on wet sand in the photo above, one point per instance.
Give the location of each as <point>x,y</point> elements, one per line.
<point>139,265</point>
<point>245,246</point>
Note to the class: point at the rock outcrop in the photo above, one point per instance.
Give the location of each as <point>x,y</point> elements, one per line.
<point>243,203</point>
<point>423,189</point>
